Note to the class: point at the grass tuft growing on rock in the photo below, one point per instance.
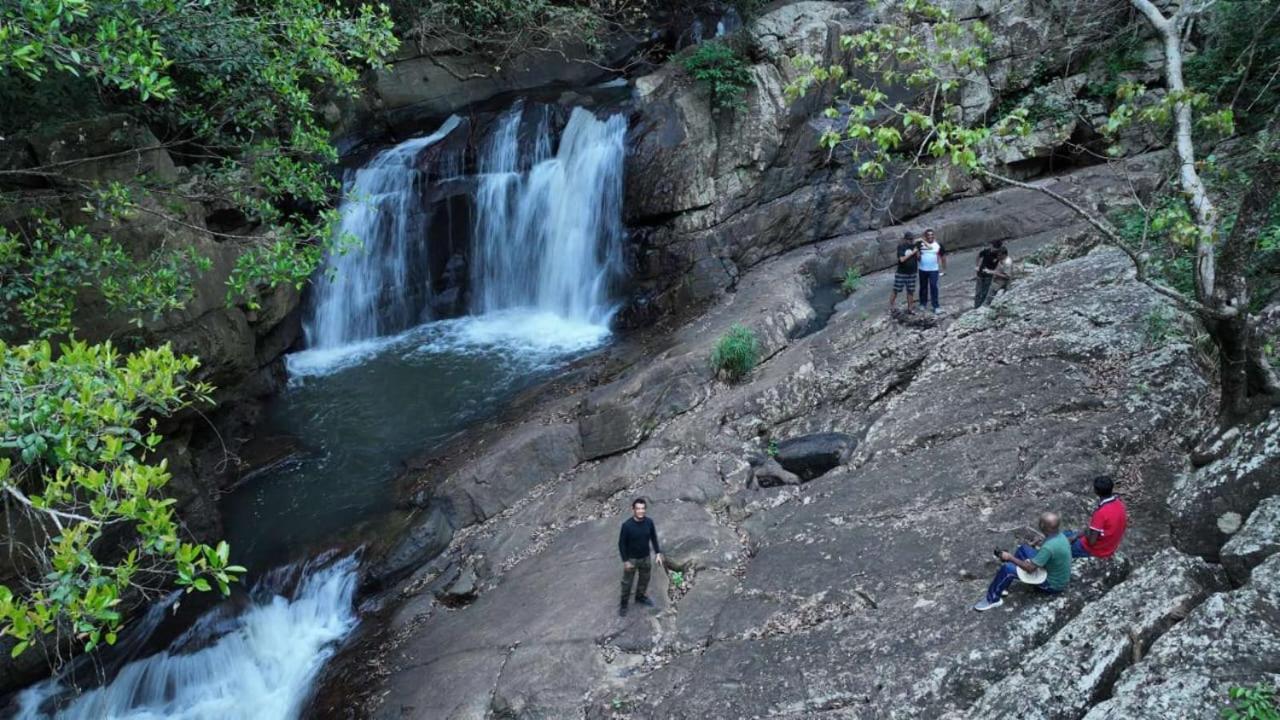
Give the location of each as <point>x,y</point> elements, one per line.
<point>723,69</point>
<point>851,280</point>
<point>736,353</point>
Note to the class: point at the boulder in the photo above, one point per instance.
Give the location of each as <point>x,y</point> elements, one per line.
<point>1209,504</point>
<point>486,485</point>
<point>1258,540</point>
<point>1076,667</point>
<point>103,149</point>
<point>1233,638</point>
<point>621,414</point>
<point>809,456</point>
<point>428,535</point>
<point>768,473</point>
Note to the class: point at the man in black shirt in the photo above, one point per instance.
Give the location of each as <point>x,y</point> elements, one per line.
<point>988,263</point>
<point>904,278</point>
<point>637,533</point>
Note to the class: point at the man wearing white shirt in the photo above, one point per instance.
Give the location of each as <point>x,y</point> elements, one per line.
<point>933,262</point>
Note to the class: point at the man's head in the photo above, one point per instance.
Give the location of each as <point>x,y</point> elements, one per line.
<point>928,234</point>
<point>1104,485</point>
<point>908,236</point>
<point>1050,523</point>
<point>997,244</point>
<point>638,507</point>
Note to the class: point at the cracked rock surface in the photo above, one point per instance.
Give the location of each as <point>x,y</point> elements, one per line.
<point>848,595</point>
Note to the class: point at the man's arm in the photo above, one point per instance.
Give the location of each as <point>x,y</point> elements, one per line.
<point>622,533</point>
<point>653,537</point>
<point>1027,565</point>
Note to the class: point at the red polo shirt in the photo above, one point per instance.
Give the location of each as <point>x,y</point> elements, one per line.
<point>1109,521</point>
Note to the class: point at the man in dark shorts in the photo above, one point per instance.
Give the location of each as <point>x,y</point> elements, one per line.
<point>904,278</point>
<point>988,264</point>
<point>637,533</point>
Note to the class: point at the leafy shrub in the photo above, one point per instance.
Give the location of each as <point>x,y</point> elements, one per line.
<point>723,69</point>
<point>77,471</point>
<point>851,281</point>
<point>736,353</point>
<point>1252,703</point>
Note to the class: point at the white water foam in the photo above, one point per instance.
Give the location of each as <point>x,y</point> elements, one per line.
<point>260,667</point>
<point>369,290</point>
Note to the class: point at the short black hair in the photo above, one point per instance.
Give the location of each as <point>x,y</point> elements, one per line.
<point>1103,485</point>
<point>638,501</point>
<point>908,235</point>
<point>997,243</point>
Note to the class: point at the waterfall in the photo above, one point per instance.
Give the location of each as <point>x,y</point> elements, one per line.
<point>370,290</point>
<point>550,238</point>
<point>258,664</point>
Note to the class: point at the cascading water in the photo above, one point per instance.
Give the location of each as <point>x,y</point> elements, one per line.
<point>545,249</point>
<point>365,292</point>
<point>550,239</point>
<point>258,664</point>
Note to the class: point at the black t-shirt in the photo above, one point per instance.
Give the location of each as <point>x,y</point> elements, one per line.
<point>989,259</point>
<point>908,266</point>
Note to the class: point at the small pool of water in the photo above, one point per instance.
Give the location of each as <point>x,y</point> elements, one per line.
<point>359,411</point>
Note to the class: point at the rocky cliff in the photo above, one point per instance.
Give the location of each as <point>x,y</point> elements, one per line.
<point>849,593</point>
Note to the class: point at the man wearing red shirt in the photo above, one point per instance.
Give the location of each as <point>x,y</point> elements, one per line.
<point>1106,527</point>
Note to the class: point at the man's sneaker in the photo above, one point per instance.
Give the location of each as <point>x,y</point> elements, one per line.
<point>985,605</point>
<point>644,600</point>
<point>937,311</point>
<point>622,611</point>
<point>1004,593</point>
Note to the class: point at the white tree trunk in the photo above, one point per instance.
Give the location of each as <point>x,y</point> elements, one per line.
<point>1206,215</point>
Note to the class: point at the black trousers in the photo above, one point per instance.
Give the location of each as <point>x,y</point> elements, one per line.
<point>641,567</point>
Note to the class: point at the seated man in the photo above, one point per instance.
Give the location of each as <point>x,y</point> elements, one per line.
<point>1054,557</point>
<point>1106,527</point>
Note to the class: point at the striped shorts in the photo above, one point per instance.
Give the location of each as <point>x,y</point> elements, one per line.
<point>905,282</point>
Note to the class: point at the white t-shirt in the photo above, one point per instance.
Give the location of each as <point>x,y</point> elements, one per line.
<point>929,252</point>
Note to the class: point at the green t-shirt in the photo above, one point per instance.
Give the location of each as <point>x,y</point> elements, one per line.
<point>1055,558</point>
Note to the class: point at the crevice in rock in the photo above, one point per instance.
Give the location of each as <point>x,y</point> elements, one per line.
<point>823,298</point>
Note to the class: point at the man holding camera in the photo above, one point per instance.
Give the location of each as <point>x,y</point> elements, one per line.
<point>904,277</point>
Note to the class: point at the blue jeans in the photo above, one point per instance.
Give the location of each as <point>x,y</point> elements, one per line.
<point>929,288</point>
<point>1077,545</point>
<point>1008,572</point>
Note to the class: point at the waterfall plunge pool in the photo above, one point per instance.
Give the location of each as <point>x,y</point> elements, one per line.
<point>377,386</point>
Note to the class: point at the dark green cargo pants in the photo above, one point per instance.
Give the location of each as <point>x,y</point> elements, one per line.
<point>639,566</point>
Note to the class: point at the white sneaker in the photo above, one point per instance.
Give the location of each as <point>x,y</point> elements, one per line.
<point>983,606</point>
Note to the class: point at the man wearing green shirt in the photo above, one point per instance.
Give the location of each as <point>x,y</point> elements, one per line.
<point>1054,557</point>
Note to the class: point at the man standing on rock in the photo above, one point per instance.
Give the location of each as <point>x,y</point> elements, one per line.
<point>637,533</point>
<point>988,264</point>
<point>933,262</point>
<point>904,278</point>
<point>1106,527</point>
<point>1054,557</point>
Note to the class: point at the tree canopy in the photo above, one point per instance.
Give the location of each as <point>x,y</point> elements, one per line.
<point>232,92</point>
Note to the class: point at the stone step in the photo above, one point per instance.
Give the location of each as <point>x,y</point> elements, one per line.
<point>1061,679</point>
<point>1233,638</point>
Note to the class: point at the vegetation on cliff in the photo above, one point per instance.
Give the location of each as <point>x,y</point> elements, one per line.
<point>224,100</point>
<point>899,108</point>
